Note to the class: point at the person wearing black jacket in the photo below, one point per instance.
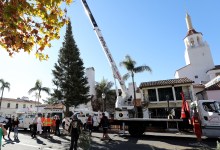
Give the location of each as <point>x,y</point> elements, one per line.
<point>57,130</point>
<point>10,125</point>
<point>75,130</point>
<point>105,125</point>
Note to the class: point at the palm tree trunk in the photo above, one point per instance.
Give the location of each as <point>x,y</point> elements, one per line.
<point>38,101</point>
<point>135,107</point>
<point>2,93</point>
<point>67,111</point>
<point>104,104</point>
<point>1,98</point>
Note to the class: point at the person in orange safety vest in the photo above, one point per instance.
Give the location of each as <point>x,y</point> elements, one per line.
<point>42,120</point>
<point>53,125</point>
<point>196,125</point>
<point>47,124</point>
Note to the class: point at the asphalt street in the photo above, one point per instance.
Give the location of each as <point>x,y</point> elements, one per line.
<point>149,141</point>
<point>152,141</point>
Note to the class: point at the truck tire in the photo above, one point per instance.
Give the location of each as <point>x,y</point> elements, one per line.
<point>136,130</point>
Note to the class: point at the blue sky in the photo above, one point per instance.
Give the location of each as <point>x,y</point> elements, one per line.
<point>150,31</point>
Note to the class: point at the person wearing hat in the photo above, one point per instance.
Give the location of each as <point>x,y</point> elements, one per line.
<point>75,130</point>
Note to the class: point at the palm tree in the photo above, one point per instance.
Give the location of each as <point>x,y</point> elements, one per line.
<point>3,86</point>
<point>129,64</point>
<point>38,88</point>
<point>103,87</point>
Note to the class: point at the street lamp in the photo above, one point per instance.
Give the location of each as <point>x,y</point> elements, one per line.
<point>103,98</point>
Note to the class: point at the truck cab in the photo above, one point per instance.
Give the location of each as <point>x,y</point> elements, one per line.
<point>209,115</point>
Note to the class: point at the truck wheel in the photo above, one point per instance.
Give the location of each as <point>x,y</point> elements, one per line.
<point>136,130</point>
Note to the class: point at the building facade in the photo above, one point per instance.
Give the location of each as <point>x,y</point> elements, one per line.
<point>198,56</point>
<point>90,74</point>
<point>163,95</point>
<point>10,106</point>
<point>200,66</point>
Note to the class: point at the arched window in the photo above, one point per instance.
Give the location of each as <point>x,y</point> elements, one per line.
<point>192,42</point>
<point>8,106</point>
<point>16,106</point>
<point>24,105</point>
<point>31,106</point>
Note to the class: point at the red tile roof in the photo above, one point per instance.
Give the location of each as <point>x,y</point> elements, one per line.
<point>191,32</point>
<point>215,86</point>
<point>165,82</point>
<point>217,67</point>
<point>19,100</point>
<point>54,106</point>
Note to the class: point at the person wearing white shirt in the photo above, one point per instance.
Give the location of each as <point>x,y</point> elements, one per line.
<point>39,125</point>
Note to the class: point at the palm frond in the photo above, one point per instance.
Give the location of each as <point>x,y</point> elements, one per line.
<point>128,63</point>
<point>45,89</point>
<point>4,85</point>
<point>142,68</point>
<point>32,90</point>
<point>126,76</point>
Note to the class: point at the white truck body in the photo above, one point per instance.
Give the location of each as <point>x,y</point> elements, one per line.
<point>83,116</point>
<point>209,115</point>
<point>25,121</point>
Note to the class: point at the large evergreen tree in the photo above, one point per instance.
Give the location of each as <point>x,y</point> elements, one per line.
<point>69,76</point>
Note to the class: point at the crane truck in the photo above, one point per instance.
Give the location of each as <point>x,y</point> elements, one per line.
<point>210,121</point>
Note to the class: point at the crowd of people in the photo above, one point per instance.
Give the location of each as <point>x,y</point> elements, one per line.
<point>12,125</point>
<point>46,125</point>
<point>50,125</point>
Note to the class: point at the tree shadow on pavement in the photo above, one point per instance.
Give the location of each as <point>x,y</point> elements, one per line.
<point>64,138</point>
<point>180,141</point>
<point>52,140</point>
<point>40,141</point>
<point>121,145</point>
<point>153,142</point>
<point>8,142</point>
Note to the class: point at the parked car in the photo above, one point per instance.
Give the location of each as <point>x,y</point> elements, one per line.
<point>3,120</point>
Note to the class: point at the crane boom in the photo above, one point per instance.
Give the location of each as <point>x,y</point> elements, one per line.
<point>114,68</point>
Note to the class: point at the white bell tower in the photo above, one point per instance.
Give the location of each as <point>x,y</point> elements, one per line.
<point>198,56</point>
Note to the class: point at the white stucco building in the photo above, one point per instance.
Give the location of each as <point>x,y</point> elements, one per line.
<point>10,106</point>
<point>200,66</point>
<point>90,74</point>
